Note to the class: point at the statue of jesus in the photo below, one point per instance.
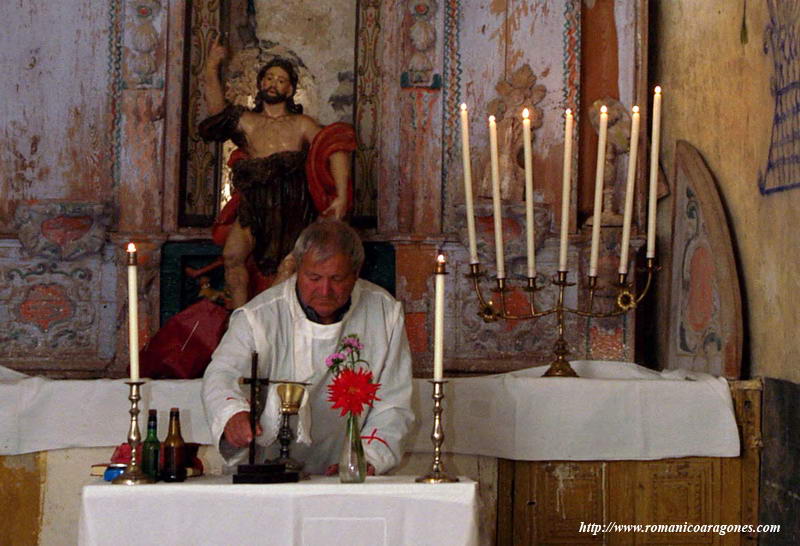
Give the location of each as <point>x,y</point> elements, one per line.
<point>274,138</point>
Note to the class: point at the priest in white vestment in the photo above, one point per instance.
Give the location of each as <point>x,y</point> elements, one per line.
<point>293,327</point>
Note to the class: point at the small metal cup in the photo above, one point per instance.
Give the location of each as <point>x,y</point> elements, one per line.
<point>291,394</point>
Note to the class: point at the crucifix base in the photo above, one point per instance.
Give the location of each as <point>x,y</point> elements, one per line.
<point>264,473</point>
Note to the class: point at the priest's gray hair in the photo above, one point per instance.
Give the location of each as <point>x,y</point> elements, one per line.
<point>326,238</point>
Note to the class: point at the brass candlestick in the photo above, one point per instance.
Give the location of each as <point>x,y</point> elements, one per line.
<point>133,475</point>
<point>437,473</point>
<point>626,300</point>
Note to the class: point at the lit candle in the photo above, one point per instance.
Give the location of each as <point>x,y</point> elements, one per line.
<point>655,144</point>
<point>438,319</point>
<point>473,247</point>
<point>626,223</point>
<point>598,191</point>
<point>566,187</point>
<point>133,313</point>
<point>498,220</point>
<point>526,144</point>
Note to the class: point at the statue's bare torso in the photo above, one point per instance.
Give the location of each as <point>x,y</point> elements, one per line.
<point>267,135</point>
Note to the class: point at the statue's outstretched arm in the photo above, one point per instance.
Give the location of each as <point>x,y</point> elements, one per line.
<point>215,98</point>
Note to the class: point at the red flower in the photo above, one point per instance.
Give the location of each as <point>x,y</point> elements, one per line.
<point>351,390</point>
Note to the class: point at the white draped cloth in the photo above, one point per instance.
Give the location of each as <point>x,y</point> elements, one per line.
<point>40,414</point>
<point>614,411</point>
<point>384,511</point>
<point>293,348</point>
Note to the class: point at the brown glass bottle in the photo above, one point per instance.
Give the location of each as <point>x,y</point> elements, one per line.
<point>174,450</point>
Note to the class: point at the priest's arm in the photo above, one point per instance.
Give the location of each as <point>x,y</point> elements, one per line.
<point>389,421</point>
<point>222,396</point>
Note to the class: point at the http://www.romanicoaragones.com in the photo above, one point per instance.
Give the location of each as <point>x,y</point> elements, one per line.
<point>686,527</point>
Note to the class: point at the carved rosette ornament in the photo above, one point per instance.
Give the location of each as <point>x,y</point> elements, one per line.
<point>144,41</point>
<point>51,308</point>
<point>514,94</point>
<point>420,44</point>
<point>62,231</point>
<point>57,301</point>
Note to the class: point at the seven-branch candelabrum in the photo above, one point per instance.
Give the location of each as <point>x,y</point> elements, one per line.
<point>627,298</point>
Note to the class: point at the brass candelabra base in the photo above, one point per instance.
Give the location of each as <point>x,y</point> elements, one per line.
<point>133,475</point>
<point>560,366</point>
<point>437,473</point>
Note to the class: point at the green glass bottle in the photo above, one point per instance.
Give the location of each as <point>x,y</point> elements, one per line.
<point>151,448</point>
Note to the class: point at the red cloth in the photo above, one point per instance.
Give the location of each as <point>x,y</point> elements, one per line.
<point>182,348</point>
<point>226,217</point>
<point>336,137</point>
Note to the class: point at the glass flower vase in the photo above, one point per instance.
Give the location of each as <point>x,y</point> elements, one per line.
<point>352,463</point>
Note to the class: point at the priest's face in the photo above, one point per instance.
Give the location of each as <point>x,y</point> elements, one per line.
<point>325,285</point>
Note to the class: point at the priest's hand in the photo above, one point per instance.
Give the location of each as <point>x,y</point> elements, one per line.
<point>333,470</point>
<point>237,430</point>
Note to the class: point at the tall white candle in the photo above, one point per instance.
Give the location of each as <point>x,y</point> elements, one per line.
<point>438,319</point>
<point>566,188</point>
<point>655,144</point>
<point>498,218</point>
<point>133,313</point>
<point>530,228</point>
<point>597,219</point>
<point>473,246</point>
<point>629,187</point>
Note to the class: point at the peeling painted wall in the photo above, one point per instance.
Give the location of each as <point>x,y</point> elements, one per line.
<point>720,100</point>
<point>81,125</point>
<point>54,127</point>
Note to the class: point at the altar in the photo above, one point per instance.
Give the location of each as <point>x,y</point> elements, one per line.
<point>621,443</point>
<point>320,511</point>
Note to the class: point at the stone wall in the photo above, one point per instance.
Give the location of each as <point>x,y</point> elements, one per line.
<point>721,100</point>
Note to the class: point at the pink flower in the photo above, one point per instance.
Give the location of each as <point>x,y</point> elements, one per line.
<point>353,343</point>
<point>334,359</point>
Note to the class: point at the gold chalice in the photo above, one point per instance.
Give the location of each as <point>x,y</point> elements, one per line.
<point>291,395</point>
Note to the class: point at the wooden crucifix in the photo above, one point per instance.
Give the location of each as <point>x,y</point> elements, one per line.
<point>274,472</point>
<point>256,406</point>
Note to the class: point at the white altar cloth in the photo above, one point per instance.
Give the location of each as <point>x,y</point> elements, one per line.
<point>39,414</point>
<point>321,511</point>
<point>615,410</point>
